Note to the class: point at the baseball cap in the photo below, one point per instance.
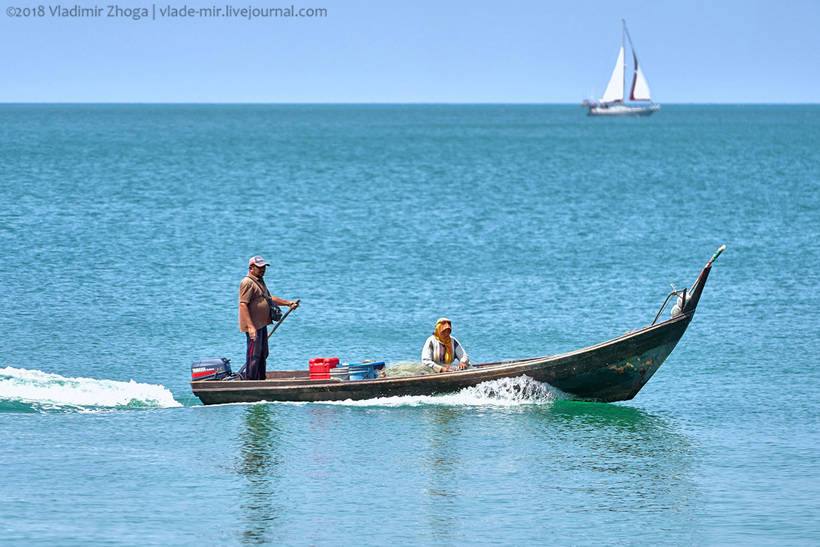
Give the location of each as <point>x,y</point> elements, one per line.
<point>258,261</point>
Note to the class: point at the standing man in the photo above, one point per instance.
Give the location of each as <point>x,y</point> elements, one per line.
<point>254,317</point>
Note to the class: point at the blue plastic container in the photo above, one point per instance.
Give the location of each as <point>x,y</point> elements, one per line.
<point>365,371</point>
<point>359,372</point>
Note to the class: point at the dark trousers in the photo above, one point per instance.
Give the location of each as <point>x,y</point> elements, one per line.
<point>256,355</point>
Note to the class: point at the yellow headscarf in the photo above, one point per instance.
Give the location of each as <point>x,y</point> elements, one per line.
<point>444,339</point>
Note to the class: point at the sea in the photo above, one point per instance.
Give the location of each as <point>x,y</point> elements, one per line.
<point>126,229</point>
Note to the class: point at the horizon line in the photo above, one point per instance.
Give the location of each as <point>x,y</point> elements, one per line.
<point>387,103</point>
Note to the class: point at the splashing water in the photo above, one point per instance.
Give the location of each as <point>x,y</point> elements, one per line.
<point>519,390</point>
<point>504,392</point>
<point>26,390</point>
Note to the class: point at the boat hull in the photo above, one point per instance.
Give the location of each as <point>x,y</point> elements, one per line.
<point>622,110</point>
<point>615,370</point>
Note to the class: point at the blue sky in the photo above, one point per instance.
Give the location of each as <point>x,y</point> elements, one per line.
<point>417,51</point>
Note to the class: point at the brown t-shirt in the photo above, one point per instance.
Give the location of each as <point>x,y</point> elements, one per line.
<point>251,294</point>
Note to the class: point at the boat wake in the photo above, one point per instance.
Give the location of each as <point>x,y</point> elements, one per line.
<point>504,392</point>
<point>23,390</point>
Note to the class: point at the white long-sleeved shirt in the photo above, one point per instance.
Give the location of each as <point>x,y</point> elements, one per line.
<point>432,354</point>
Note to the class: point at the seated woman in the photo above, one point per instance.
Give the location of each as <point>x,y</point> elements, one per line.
<point>441,349</point>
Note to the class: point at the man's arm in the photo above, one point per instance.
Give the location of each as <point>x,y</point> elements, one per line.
<point>245,316</point>
<point>292,304</point>
<point>461,355</point>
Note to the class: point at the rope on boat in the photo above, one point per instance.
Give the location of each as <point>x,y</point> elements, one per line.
<point>682,292</point>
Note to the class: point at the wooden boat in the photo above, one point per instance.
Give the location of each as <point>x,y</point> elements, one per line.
<point>614,370</point>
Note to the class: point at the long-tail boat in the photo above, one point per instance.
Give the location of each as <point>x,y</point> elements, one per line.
<point>614,370</point>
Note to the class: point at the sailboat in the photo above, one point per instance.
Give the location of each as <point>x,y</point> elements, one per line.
<point>612,103</point>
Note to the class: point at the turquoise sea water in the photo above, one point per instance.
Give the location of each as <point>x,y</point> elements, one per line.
<point>125,231</point>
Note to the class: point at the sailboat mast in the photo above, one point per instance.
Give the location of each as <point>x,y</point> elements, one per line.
<point>623,43</point>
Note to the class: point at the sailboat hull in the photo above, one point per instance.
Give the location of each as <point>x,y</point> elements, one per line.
<point>622,110</point>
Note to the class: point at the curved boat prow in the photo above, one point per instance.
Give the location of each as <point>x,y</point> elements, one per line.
<point>697,289</point>
<point>617,370</point>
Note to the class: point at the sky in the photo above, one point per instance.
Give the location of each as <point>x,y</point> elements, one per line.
<point>412,51</point>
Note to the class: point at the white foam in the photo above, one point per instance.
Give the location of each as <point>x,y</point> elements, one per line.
<point>43,390</point>
<point>504,392</point>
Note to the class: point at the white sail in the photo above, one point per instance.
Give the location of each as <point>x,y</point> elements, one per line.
<point>640,89</point>
<point>612,103</point>
<point>615,89</point>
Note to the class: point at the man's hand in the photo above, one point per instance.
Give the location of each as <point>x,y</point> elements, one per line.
<point>445,369</point>
<point>293,305</point>
<point>252,333</point>
<point>462,366</point>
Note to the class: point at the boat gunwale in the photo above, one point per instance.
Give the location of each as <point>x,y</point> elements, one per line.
<point>508,366</point>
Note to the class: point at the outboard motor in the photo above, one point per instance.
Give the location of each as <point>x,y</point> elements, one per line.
<point>211,369</point>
